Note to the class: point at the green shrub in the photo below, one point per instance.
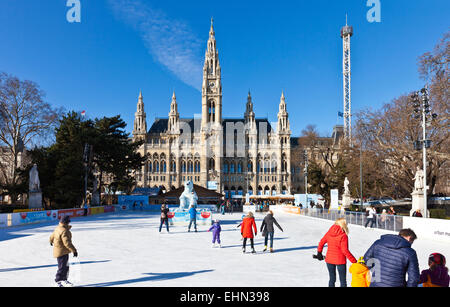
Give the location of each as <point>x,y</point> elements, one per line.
<point>438,214</point>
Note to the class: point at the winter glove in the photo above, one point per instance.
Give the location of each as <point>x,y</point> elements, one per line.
<point>319,256</point>
<point>75,254</point>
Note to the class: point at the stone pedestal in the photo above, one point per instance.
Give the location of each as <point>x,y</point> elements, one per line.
<point>346,201</point>
<point>95,201</point>
<point>418,202</point>
<point>35,200</point>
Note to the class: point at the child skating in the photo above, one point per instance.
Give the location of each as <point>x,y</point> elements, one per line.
<point>216,229</point>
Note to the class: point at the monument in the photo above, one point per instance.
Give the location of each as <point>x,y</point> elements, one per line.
<point>34,189</point>
<point>189,197</point>
<point>418,194</point>
<point>346,197</point>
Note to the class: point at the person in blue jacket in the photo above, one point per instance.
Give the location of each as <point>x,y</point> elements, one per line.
<point>391,258</point>
<point>193,218</point>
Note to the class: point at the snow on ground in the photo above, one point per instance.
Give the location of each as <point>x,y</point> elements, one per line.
<point>126,249</point>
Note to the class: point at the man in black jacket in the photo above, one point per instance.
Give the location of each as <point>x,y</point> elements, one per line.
<point>391,258</point>
<point>268,230</point>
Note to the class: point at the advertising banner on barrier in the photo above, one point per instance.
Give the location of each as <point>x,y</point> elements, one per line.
<point>204,217</point>
<point>3,220</point>
<point>131,199</point>
<point>70,213</point>
<point>108,209</point>
<point>432,229</point>
<point>96,210</point>
<point>33,217</point>
<point>291,209</point>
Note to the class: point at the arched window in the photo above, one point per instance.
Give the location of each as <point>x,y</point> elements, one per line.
<point>250,166</point>
<point>239,168</point>
<point>232,169</point>
<point>183,167</point>
<point>225,168</point>
<point>212,164</point>
<point>163,167</point>
<point>190,167</point>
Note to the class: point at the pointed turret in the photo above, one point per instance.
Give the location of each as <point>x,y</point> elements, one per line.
<point>174,116</point>
<point>283,117</point>
<point>140,121</point>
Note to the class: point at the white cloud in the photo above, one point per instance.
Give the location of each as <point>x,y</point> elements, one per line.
<point>170,42</point>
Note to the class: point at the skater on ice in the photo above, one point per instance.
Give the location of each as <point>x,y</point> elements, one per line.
<point>395,259</point>
<point>360,274</point>
<point>61,240</point>
<point>216,229</point>
<point>268,230</point>
<point>164,217</point>
<point>437,274</point>
<point>337,252</point>
<point>192,218</point>
<point>248,231</point>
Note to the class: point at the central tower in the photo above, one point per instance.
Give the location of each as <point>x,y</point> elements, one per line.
<point>212,85</point>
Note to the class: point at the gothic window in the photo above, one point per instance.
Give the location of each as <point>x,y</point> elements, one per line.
<point>232,169</point>
<point>225,168</point>
<point>163,167</point>
<point>212,165</point>
<point>183,167</point>
<point>239,168</point>
<point>250,166</point>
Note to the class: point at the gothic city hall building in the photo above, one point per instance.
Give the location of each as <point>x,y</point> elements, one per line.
<point>232,156</point>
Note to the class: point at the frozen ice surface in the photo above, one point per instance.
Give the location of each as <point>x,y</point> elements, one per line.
<point>126,249</point>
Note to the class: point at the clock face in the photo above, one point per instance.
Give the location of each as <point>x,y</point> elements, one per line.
<point>211,84</point>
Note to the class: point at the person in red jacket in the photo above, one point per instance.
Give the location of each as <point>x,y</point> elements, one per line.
<point>247,232</point>
<point>337,253</point>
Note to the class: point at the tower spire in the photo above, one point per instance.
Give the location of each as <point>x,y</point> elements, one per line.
<point>140,121</point>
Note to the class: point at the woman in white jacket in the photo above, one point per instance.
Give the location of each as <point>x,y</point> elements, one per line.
<point>372,215</point>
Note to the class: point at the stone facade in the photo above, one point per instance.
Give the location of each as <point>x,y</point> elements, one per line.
<point>235,155</point>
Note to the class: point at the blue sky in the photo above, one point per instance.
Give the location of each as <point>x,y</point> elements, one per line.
<point>122,47</point>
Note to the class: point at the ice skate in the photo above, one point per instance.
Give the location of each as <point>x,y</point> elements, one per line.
<point>243,250</point>
<point>67,283</point>
<point>213,245</point>
<point>265,248</point>
<point>59,284</point>
<point>253,251</point>
<point>271,250</point>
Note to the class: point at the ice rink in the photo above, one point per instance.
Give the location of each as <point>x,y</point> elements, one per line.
<point>126,249</point>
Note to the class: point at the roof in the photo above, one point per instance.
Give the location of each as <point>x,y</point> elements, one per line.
<point>160,125</point>
<point>146,191</point>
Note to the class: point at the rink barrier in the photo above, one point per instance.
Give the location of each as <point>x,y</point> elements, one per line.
<point>431,229</point>
<point>35,217</point>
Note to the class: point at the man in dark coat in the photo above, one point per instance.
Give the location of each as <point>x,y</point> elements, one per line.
<point>268,230</point>
<point>391,258</point>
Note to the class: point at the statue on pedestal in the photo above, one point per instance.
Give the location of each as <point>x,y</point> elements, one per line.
<point>346,183</point>
<point>418,184</point>
<point>189,197</point>
<point>34,189</point>
<point>34,184</point>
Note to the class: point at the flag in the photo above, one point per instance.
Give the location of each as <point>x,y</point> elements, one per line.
<point>340,114</point>
<point>83,113</point>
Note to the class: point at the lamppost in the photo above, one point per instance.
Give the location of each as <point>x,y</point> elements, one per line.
<point>305,156</point>
<point>421,104</point>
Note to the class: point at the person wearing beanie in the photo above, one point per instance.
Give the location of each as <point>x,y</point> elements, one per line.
<point>437,274</point>
<point>360,274</point>
<point>61,240</point>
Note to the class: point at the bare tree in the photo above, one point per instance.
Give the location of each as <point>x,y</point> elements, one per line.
<point>24,118</point>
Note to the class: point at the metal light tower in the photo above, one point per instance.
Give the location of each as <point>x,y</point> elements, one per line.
<point>346,34</point>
